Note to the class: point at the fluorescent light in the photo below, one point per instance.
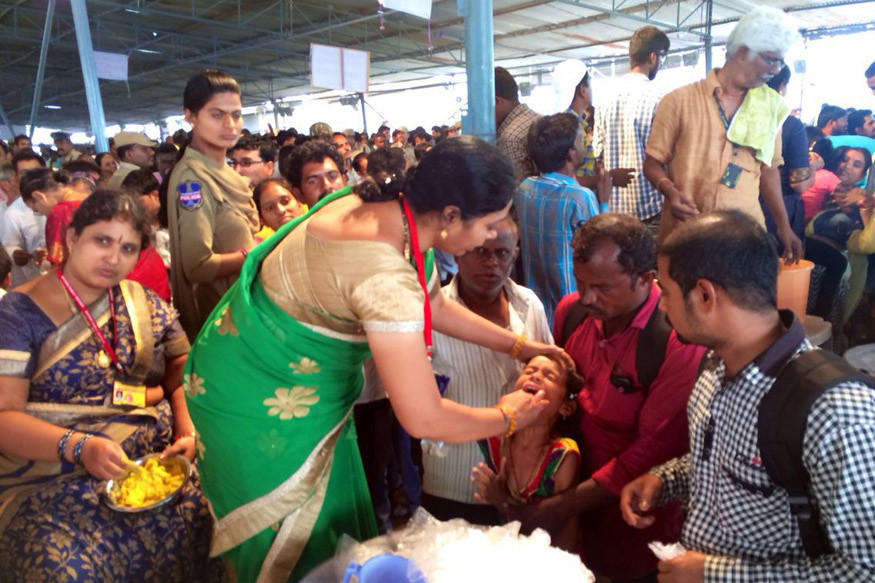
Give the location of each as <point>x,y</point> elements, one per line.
<point>148,51</point>
<point>52,106</point>
<point>132,11</point>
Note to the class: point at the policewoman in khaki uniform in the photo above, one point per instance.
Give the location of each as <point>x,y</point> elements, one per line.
<point>211,214</point>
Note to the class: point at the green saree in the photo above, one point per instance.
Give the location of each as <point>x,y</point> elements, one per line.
<point>272,400</point>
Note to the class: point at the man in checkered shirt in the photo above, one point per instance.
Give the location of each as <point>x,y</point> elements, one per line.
<point>623,125</point>
<point>718,274</point>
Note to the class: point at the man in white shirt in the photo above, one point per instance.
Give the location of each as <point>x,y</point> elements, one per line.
<point>623,126</point>
<point>478,375</point>
<point>23,232</point>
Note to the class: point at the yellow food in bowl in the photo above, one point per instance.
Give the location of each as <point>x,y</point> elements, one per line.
<point>149,483</point>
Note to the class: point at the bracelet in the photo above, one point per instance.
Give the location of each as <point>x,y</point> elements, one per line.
<point>658,182</point>
<point>62,444</point>
<point>509,419</point>
<point>178,437</point>
<point>518,346</point>
<point>77,450</point>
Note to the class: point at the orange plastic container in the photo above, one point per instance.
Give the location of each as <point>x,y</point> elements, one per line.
<point>793,284</point>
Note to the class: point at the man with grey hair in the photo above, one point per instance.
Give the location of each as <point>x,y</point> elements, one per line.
<point>716,144</point>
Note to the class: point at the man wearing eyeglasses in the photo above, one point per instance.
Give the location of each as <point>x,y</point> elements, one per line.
<point>716,144</point>
<point>253,158</point>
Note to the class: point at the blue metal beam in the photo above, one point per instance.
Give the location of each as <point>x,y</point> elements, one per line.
<point>479,66</point>
<point>41,69</point>
<point>89,75</point>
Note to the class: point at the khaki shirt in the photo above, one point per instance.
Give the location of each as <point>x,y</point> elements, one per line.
<point>689,137</point>
<point>202,224</point>
<point>124,168</point>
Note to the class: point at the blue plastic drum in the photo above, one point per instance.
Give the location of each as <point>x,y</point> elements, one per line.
<point>384,569</point>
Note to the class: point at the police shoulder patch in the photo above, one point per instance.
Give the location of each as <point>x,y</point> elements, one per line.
<point>190,196</point>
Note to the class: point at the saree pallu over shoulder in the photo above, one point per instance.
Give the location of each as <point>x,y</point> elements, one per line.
<point>19,477</point>
<point>271,398</point>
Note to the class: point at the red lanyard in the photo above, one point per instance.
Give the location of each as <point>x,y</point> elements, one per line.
<point>420,273</point>
<point>110,351</point>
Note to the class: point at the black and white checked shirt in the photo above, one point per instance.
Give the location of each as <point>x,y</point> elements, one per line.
<point>735,513</point>
<point>512,137</point>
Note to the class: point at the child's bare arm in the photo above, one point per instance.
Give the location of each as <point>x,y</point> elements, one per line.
<point>566,478</point>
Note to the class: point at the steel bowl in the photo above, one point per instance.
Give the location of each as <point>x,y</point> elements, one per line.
<point>112,485</point>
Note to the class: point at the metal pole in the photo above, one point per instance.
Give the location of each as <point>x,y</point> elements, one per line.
<point>479,65</point>
<point>41,69</point>
<point>89,74</point>
<point>364,117</point>
<point>709,6</point>
<point>6,123</point>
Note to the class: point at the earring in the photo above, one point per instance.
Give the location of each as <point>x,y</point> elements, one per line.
<point>444,234</point>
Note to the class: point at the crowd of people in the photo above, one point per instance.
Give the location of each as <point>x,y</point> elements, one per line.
<point>579,323</point>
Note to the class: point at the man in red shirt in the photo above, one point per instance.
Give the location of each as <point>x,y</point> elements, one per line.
<point>625,426</point>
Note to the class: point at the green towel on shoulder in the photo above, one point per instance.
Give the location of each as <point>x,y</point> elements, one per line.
<point>757,121</point>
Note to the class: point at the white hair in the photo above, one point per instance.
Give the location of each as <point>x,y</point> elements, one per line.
<point>763,29</point>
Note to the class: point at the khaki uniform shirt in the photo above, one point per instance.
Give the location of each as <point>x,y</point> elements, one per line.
<point>203,223</point>
<point>124,168</point>
<point>689,137</point>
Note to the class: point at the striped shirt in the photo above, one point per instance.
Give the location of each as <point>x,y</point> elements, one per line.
<point>550,208</point>
<point>620,133</point>
<point>478,378</point>
<point>587,165</point>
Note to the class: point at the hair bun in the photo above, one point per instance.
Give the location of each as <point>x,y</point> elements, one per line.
<point>380,188</point>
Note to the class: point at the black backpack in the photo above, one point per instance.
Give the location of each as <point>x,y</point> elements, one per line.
<point>783,417</point>
<point>654,336</point>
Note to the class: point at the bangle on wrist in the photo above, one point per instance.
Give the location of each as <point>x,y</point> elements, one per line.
<point>62,444</point>
<point>192,434</point>
<point>518,346</point>
<point>509,420</point>
<point>77,449</point>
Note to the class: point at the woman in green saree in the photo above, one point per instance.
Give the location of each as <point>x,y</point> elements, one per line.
<point>273,375</point>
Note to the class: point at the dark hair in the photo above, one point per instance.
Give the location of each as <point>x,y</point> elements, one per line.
<point>856,120</point>
<point>357,161</point>
<point>635,240</point>
<point>823,148</point>
<point>17,139</point>
<point>781,78</point>
<point>385,180</point>
<point>646,40</point>
<point>80,166</point>
<point>181,137</point>
<point>482,181</point>
<point>505,86</point>
<point>26,154</point>
<point>283,158</point>
<point>39,179</point>
<point>574,383</point>
<point>165,148</point>
<point>122,151</point>
<point>259,190</point>
<point>829,113</point>
<point>382,128</point>
<point>140,182</point>
<point>729,249</point>
<point>312,151</point>
<point>267,150</point>
<point>421,150</point>
<point>5,264</point>
<point>108,205</point>
<point>201,88</point>
<point>840,152</point>
<point>870,70</point>
<point>100,156</point>
<point>549,140</point>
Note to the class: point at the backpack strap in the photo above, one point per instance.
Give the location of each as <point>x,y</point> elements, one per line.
<point>573,318</point>
<point>781,425</point>
<point>650,351</point>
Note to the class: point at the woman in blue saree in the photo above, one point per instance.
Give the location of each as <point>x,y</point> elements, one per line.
<point>67,339</point>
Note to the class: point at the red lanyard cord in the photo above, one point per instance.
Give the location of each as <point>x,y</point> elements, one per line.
<point>420,273</point>
<point>83,309</point>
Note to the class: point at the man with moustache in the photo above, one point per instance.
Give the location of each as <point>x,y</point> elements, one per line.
<point>716,144</point>
<point>479,375</point>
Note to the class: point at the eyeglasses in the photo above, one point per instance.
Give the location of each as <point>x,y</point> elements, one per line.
<point>772,62</point>
<point>243,162</point>
<point>662,54</point>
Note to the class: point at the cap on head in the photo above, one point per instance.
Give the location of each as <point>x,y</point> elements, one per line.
<point>133,138</point>
<point>567,75</point>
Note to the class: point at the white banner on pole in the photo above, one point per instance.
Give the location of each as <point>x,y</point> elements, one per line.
<point>337,68</point>
<point>421,8</point>
<point>113,66</point>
